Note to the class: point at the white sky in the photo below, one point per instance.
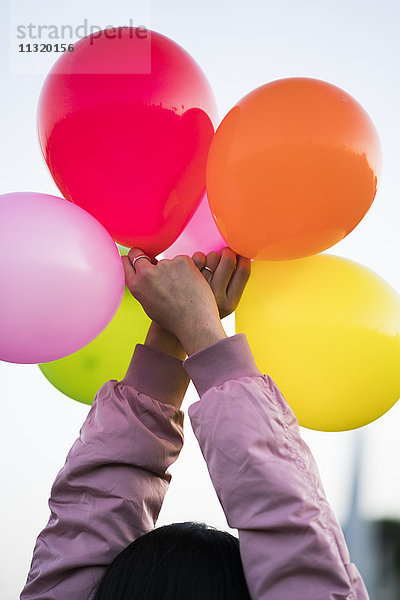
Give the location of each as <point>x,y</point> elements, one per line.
<point>240,45</point>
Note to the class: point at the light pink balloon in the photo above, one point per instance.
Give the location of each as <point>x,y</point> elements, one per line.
<point>62,279</point>
<point>201,233</point>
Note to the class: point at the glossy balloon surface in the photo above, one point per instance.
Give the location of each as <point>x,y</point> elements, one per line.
<point>292,169</point>
<point>82,374</point>
<point>129,148</point>
<point>62,279</point>
<point>201,233</point>
<point>327,330</point>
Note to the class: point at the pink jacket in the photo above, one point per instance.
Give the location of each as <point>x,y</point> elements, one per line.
<point>113,483</point>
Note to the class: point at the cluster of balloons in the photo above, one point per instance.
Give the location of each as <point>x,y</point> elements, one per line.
<point>290,171</point>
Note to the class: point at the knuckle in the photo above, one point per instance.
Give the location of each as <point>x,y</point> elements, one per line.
<point>147,274</point>
<point>134,252</point>
<point>181,258</point>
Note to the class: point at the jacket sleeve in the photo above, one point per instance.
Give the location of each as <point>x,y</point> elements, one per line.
<point>292,546</point>
<point>112,485</point>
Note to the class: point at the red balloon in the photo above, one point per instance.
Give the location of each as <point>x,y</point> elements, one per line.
<point>129,148</point>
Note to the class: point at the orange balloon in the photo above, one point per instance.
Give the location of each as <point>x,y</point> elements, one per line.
<point>292,169</point>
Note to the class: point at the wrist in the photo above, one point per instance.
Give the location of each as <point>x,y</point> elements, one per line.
<point>197,336</point>
<point>162,339</point>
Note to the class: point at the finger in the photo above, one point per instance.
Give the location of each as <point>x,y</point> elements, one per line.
<point>212,261</point>
<point>239,280</point>
<point>142,263</point>
<point>129,272</point>
<point>134,252</point>
<point>224,271</point>
<point>199,259</point>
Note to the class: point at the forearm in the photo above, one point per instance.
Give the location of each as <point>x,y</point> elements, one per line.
<point>111,488</point>
<point>194,336</point>
<point>171,378</point>
<point>203,337</point>
<point>266,478</point>
<point>161,339</point>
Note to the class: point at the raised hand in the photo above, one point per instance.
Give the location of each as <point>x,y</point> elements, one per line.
<point>175,295</point>
<point>230,275</point>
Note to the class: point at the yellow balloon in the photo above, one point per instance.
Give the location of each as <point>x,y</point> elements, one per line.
<point>327,330</point>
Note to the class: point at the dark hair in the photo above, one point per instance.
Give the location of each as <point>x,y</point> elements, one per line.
<point>183,561</point>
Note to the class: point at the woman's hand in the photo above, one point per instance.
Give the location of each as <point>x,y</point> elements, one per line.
<point>231,274</point>
<point>175,295</point>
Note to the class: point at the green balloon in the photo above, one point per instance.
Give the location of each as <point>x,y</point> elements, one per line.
<point>123,250</point>
<point>82,374</point>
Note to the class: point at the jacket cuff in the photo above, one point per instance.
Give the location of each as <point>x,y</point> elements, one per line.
<point>156,374</point>
<point>226,359</point>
